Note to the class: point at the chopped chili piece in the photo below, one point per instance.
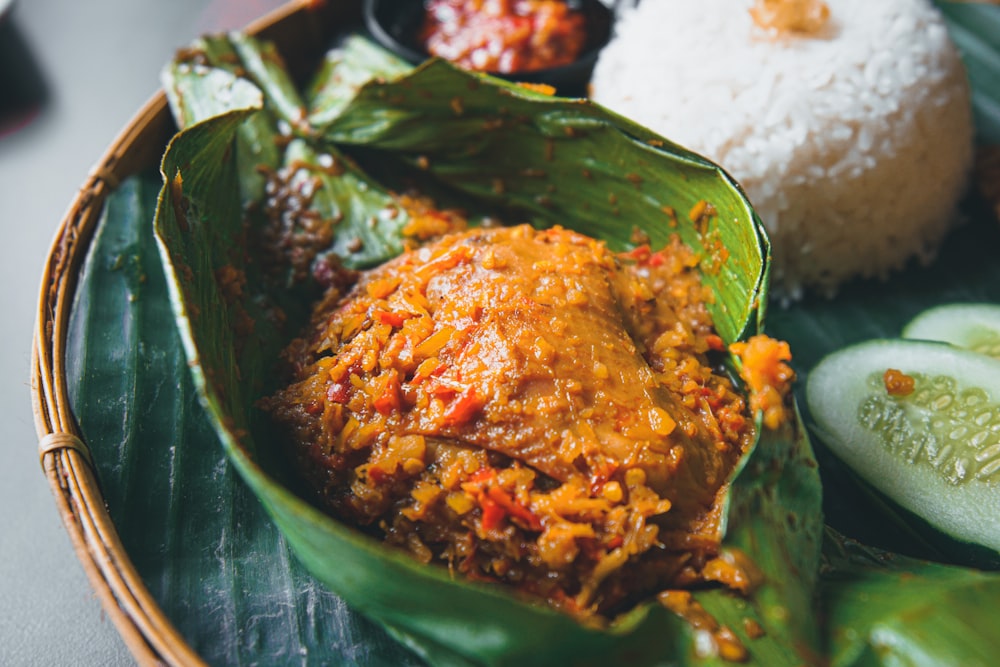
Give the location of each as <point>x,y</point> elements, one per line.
<point>463,408</point>
<point>493,513</point>
<point>503,499</point>
<point>392,319</point>
<point>387,399</point>
<point>898,383</point>
<point>715,342</point>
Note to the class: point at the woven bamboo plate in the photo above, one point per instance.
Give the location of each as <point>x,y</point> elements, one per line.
<point>302,29</point>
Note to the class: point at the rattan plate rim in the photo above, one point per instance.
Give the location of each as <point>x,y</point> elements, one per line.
<point>65,459</point>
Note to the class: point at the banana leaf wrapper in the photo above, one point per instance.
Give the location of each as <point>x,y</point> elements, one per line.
<point>225,576</point>
<point>501,150</point>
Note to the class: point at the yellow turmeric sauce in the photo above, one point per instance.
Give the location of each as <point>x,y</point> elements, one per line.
<point>528,408</point>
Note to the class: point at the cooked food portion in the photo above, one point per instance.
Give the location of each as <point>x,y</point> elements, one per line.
<point>848,122</point>
<point>529,408</point>
<point>505,36</point>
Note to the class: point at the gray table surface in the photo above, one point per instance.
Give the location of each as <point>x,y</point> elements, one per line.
<point>82,71</point>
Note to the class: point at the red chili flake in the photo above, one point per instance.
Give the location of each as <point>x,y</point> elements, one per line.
<point>388,398</point>
<point>640,253</point>
<point>463,408</point>
<point>392,319</point>
<point>493,513</point>
<point>715,342</point>
<point>514,508</point>
<point>338,392</point>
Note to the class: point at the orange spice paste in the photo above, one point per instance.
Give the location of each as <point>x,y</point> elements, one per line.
<point>505,36</point>
<point>528,408</point>
<point>767,375</point>
<point>898,383</point>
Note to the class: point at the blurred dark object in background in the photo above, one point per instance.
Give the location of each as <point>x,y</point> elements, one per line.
<point>22,88</point>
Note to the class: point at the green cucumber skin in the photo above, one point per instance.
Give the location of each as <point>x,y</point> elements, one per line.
<point>835,390</point>
<point>968,325</point>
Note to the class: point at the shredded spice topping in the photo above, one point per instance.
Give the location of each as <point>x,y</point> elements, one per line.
<point>529,408</point>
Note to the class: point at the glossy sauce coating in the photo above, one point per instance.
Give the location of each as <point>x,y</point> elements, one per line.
<point>528,406</point>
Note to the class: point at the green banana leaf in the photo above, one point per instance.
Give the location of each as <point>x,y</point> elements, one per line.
<point>974,27</point>
<point>200,84</point>
<point>215,88</point>
<point>568,140</point>
<point>342,73</point>
<point>774,517</point>
<point>556,161</point>
<point>215,563</point>
<point>882,608</point>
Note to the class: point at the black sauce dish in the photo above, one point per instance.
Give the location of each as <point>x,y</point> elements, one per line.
<point>395,24</point>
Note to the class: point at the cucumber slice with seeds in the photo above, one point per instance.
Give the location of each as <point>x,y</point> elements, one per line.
<point>934,451</point>
<point>974,326</point>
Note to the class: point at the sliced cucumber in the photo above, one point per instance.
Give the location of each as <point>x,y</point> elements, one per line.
<point>936,451</point>
<point>974,326</point>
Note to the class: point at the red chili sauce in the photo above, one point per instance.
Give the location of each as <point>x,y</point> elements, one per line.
<point>505,36</point>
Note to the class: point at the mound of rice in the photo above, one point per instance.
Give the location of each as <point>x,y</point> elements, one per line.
<point>853,144</point>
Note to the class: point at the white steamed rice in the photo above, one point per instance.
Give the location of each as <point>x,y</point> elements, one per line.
<point>853,145</point>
